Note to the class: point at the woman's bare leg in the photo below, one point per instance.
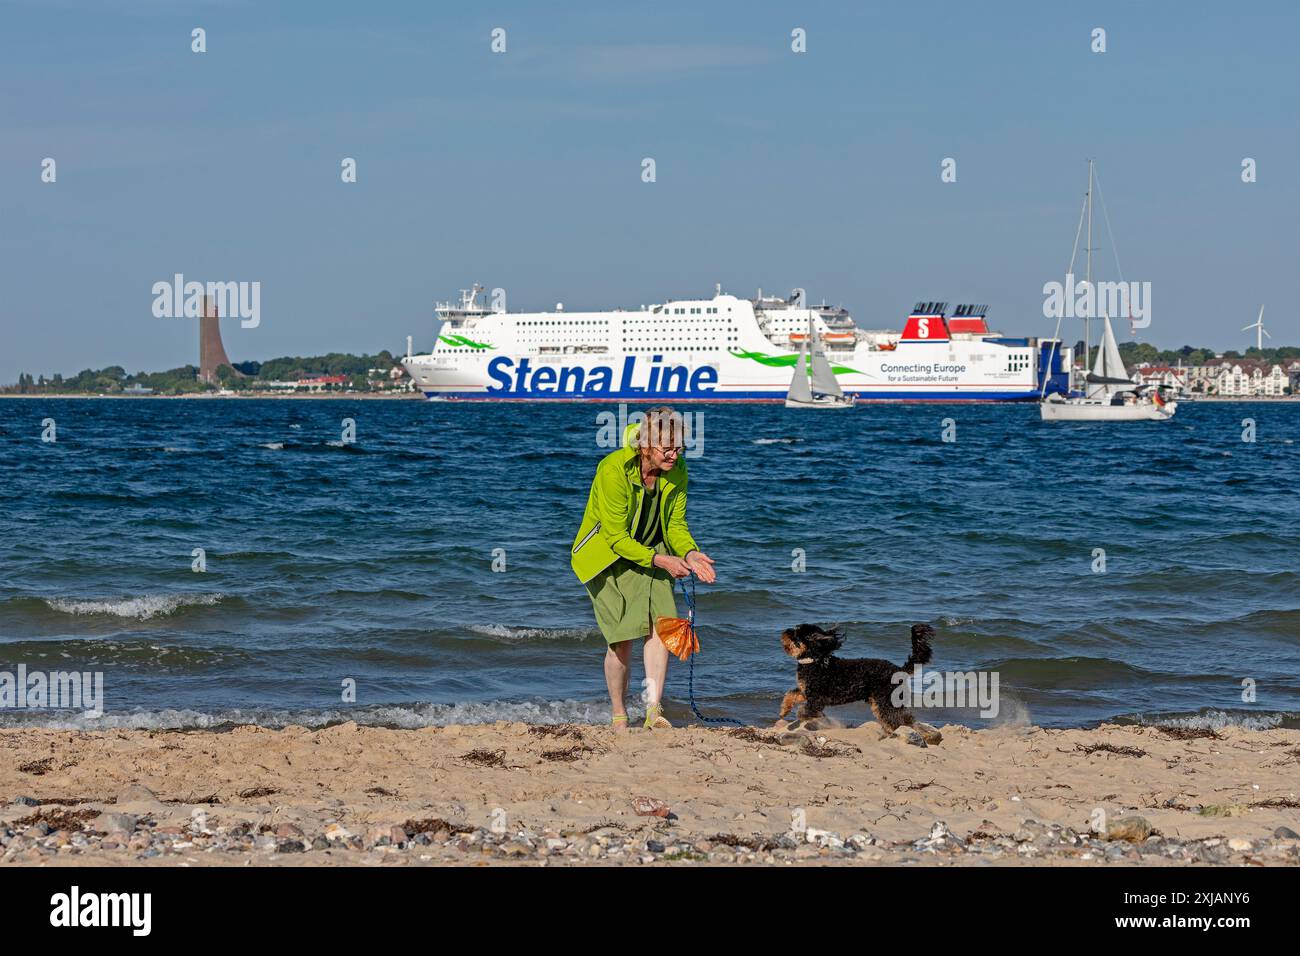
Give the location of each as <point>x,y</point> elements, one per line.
<point>618,660</point>
<point>656,668</point>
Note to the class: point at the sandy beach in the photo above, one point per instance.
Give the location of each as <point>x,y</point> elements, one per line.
<point>511,793</point>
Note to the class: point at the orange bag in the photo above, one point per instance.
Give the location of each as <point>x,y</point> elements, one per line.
<point>678,635</point>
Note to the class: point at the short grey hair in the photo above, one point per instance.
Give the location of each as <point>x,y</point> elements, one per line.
<point>662,428</point>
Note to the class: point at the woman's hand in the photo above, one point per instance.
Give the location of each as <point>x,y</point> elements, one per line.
<point>702,566</point>
<point>672,564</point>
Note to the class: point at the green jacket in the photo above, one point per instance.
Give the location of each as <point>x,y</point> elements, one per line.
<point>613,507</point>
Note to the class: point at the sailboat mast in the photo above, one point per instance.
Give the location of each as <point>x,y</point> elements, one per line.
<point>1087,315</point>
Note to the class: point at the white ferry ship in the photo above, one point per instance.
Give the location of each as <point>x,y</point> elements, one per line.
<point>726,349</point>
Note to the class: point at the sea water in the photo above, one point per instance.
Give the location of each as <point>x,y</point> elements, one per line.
<point>246,560</point>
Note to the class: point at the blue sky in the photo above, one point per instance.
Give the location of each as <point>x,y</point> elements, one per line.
<point>522,170</point>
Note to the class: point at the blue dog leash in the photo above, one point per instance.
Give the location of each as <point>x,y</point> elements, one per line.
<point>690,614</point>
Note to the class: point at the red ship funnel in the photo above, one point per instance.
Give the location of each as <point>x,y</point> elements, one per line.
<point>926,323</point>
<point>969,318</point>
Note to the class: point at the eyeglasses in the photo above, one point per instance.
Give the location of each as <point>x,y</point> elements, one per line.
<point>671,452</point>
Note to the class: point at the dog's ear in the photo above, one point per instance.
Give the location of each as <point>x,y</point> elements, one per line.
<point>834,638</point>
<point>822,642</point>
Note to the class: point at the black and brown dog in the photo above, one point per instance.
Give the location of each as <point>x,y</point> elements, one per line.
<point>825,680</point>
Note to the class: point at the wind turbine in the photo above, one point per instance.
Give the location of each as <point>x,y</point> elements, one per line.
<point>1258,326</point>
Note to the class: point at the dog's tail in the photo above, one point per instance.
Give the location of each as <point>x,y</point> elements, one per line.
<point>922,635</point>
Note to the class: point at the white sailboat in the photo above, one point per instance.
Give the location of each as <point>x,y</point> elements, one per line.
<point>820,389</point>
<point>1109,395</point>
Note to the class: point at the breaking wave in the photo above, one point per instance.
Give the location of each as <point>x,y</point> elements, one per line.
<point>140,608</point>
<point>1210,719</point>
<point>518,635</point>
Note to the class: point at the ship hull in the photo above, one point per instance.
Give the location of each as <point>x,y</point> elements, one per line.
<point>967,373</point>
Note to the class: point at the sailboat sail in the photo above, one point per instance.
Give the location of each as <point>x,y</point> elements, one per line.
<point>1108,373</point>
<point>800,391</point>
<point>823,378</point>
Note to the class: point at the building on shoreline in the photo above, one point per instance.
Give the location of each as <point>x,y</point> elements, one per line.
<point>1226,378</point>
<point>378,380</point>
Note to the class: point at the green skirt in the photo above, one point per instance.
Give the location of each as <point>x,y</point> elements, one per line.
<point>628,597</point>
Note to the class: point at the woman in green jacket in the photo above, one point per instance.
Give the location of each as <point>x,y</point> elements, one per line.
<point>632,542</point>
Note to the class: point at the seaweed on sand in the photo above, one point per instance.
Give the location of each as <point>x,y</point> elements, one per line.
<point>58,819</point>
<point>749,843</point>
<point>569,754</point>
<point>1110,749</point>
<point>1189,733</point>
<point>252,793</point>
<point>485,758</point>
<point>433,825</point>
<point>556,730</point>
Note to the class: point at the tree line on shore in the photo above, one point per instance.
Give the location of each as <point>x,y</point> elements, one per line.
<point>185,380</point>
<point>1140,353</point>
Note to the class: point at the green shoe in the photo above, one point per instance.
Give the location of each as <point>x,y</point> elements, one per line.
<point>655,719</point>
